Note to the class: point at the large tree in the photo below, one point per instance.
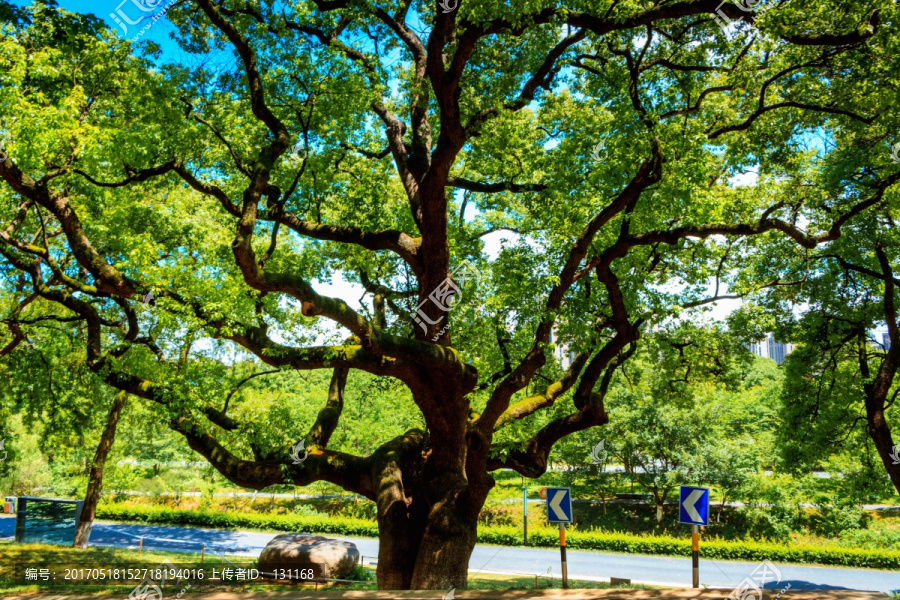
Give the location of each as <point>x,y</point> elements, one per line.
<point>385,140</point>
<point>842,385</point>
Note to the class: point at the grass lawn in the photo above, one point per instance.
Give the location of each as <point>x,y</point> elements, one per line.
<point>12,554</point>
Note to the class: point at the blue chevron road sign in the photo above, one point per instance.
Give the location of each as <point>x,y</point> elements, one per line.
<point>559,505</point>
<point>693,505</point>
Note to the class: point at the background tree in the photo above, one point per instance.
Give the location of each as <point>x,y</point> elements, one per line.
<point>385,141</point>
<point>95,477</point>
<point>840,382</point>
<point>669,415</point>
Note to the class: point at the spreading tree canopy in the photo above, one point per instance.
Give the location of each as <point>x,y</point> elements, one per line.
<point>174,211</point>
<point>841,383</point>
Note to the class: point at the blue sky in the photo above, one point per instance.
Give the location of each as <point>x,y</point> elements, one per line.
<point>103,9</point>
<point>81,6</point>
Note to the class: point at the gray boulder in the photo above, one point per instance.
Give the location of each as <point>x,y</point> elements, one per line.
<point>334,559</point>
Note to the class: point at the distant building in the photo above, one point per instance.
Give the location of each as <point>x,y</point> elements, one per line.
<point>566,357</point>
<point>771,348</point>
<point>563,354</point>
<point>776,349</point>
<point>886,341</point>
<point>758,349</point>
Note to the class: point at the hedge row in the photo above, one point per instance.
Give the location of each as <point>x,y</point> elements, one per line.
<point>512,536</point>
<point>712,549</point>
<point>233,520</point>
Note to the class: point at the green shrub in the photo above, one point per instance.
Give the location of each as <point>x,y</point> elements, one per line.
<point>360,573</point>
<point>512,536</point>
<point>773,508</point>
<point>234,520</point>
<point>305,510</point>
<point>497,514</point>
<point>870,539</point>
<point>669,546</point>
<point>832,520</point>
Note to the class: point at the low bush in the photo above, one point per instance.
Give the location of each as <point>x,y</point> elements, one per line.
<point>669,546</point>
<point>305,510</point>
<point>512,536</point>
<point>360,573</point>
<point>870,539</point>
<point>232,520</point>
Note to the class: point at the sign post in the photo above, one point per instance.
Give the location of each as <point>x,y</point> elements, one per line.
<point>562,555</point>
<point>693,509</point>
<point>559,510</point>
<point>525,513</point>
<point>695,555</point>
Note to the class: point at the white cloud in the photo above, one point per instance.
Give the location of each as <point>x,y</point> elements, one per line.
<point>339,287</point>
<point>747,178</point>
<point>495,241</point>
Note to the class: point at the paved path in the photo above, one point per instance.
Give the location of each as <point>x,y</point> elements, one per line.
<point>597,566</point>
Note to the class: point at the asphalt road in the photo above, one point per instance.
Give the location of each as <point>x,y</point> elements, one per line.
<point>582,565</point>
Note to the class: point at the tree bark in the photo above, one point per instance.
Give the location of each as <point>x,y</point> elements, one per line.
<point>95,481</point>
<point>880,433</point>
<point>443,559</point>
<point>417,551</point>
<point>660,500</point>
<point>425,539</point>
<point>429,489</point>
<point>399,533</point>
<point>878,390</point>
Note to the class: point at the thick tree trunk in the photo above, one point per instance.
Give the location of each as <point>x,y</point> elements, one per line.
<point>877,393</point>
<point>421,548</point>
<point>399,537</point>
<point>430,491</point>
<point>95,481</point>
<point>880,433</point>
<point>443,560</point>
